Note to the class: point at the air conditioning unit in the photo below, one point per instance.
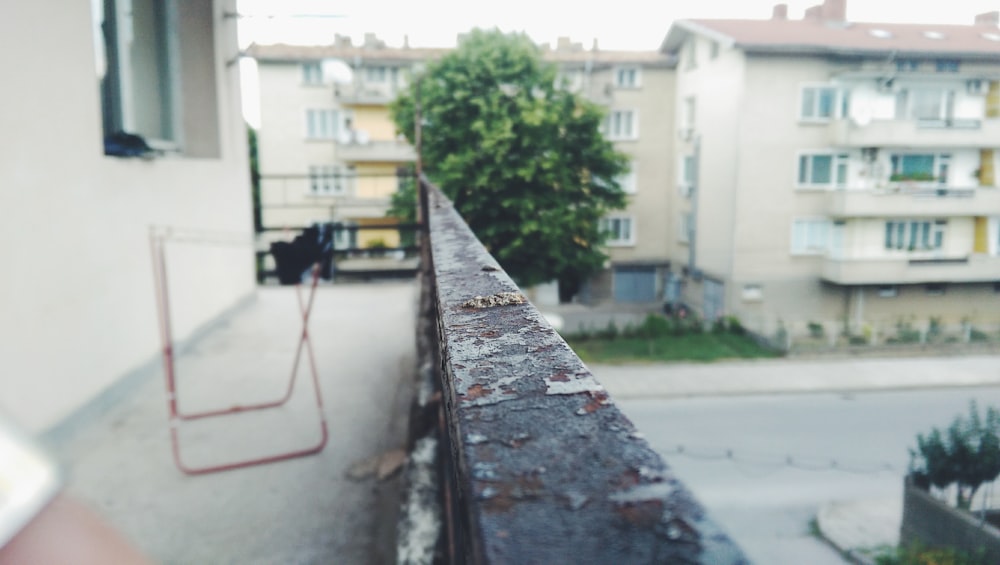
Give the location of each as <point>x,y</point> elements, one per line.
<point>977,86</point>
<point>685,134</point>
<point>886,84</point>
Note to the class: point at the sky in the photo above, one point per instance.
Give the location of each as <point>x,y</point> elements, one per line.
<point>618,24</point>
<point>615,24</point>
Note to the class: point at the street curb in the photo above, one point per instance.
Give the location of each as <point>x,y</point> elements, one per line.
<point>822,525</point>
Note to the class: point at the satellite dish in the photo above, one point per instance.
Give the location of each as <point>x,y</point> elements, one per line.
<point>862,116</point>
<point>336,71</point>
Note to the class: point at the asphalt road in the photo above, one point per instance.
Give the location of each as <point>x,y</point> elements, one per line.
<point>763,464</point>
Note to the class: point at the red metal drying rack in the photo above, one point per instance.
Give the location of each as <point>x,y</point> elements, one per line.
<point>157,241</point>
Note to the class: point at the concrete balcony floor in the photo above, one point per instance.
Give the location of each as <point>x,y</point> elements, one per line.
<point>118,458</point>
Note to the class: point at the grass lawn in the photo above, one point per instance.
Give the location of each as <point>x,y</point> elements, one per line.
<point>694,346</point>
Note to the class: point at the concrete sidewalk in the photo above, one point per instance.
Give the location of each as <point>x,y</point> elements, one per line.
<point>858,528</point>
<point>299,511</point>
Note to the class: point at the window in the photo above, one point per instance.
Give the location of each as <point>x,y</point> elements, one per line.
<point>312,73</point>
<point>685,227</point>
<point>322,123</point>
<point>327,179</point>
<point>628,181</point>
<point>570,79</point>
<point>810,236</point>
<point>907,65</point>
<point>619,229</point>
<point>156,63</point>
<point>753,293</point>
<point>686,182</point>
<point>818,103</point>
<point>376,74</point>
<point>946,65</point>
<point>914,235</point>
<point>690,109</point>
<point>628,77</point>
<point>934,289</point>
<point>926,167</point>
<point>691,54</point>
<point>931,104</point>
<point>622,124</point>
<point>822,170</point>
<point>714,50</point>
<point>137,64</point>
<point>888,291</point>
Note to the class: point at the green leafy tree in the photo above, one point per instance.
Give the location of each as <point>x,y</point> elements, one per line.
<point>966,454</point>
<point>258,223</point>
<point>522,159</point>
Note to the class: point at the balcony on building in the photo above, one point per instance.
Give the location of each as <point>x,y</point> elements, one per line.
<point>363,94</point>
<point>914,110</point>
<point>911,269</point>
<point>902,199</point>
<point>949,132</point>
<point>357,147</point>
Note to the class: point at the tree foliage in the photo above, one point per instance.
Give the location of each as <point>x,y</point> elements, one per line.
<point>522,159</point>
<point>967,454</point>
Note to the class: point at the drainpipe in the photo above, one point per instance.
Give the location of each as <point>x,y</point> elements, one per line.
<point>693,223</point>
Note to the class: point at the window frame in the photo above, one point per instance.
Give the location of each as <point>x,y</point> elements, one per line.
<point>312,73</point>
<point>809,247</point>
<point>629,181</point>
<point>839,161</point>
<point>836,109</point>
<point>613,134</point>
<point>121,106</point>
<point>331,120</point>
<point>614,238</point>
<point>635,71</point>
<point>328,180</point>
<point>914,235</point>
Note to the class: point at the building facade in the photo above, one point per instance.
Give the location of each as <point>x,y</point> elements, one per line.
<point>78,300</point>
<point>329,150</point>
<point>838,174</point>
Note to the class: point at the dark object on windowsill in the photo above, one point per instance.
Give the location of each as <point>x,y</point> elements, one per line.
<point>122,144</point>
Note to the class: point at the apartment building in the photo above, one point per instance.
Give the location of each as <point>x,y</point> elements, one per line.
<point>79,199</point>
<point>329,150</point>
<point>837,173</point>
<point>637,89</point>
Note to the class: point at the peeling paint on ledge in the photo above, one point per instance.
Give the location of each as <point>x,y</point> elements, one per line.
<point>545,469</point>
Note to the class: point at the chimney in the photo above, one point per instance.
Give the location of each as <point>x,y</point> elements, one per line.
<point>991,19</point>
<point>814,13</point>
<point>780,12</point>
<point>595,47</point>
<point>406,41</point>
<point>834,10</point>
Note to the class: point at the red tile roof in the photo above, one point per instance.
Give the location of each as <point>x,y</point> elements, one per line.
<point>298,53</point>
<point>816,36</point>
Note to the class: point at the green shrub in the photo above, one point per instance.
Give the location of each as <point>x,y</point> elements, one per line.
<point>655,326</point>
<point>735,327</point>
<point>610,332</point>
<point>978,335</point>
<point>857,340</point>
<point>816,330</point>
<point>918,554</point>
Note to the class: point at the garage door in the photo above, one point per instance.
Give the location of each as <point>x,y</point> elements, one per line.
<point>635,284</point>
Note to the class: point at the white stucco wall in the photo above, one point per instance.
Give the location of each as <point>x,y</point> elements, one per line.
<point>77,297</point>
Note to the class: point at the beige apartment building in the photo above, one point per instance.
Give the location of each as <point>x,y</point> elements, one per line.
<point>79,314</point>
<point>837,173</point>
<point>329,150</point>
